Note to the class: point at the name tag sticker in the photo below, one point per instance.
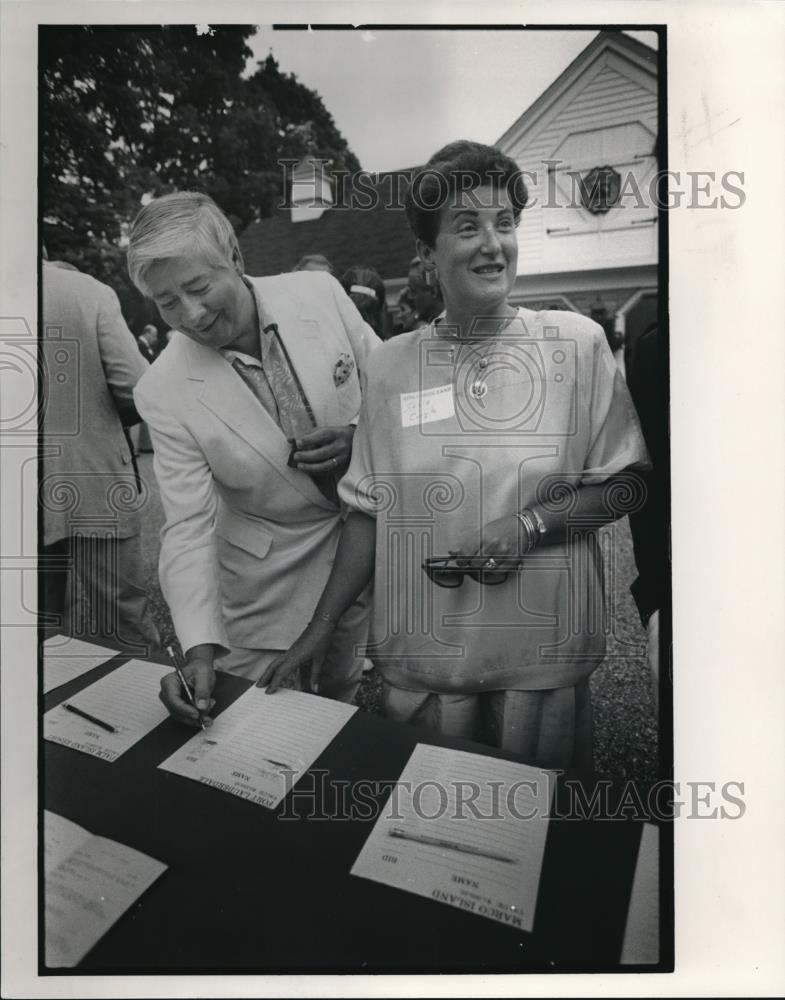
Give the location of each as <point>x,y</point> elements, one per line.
<point>419,408</point>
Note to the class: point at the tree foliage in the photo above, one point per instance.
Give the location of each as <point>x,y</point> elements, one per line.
<point>131,111</point>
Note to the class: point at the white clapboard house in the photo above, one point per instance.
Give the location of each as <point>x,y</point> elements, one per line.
<point>588,238</point>
<point>586,242</point>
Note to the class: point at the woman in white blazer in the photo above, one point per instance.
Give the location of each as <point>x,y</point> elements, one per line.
<point>252,520</point>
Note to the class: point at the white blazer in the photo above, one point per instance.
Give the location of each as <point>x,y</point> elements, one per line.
<point>248,542</point>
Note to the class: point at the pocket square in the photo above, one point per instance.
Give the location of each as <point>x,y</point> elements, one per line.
<point>344,367</point>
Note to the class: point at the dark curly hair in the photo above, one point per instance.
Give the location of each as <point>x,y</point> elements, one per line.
<point>459,166</point>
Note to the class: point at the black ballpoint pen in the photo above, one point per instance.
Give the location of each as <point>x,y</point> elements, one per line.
<point>90,718</point>
<point>280,764</point>
<point>176,663</point>
<point>452,845</point>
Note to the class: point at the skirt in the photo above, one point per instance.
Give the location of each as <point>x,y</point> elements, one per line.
<point>549,729</point>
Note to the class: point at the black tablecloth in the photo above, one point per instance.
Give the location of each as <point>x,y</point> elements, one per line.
<point>249,890</point>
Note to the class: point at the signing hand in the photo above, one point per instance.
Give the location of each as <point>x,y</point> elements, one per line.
<point>200,677</point>
<point>497,538</point>
<point>327,449</point>
<point>309,650</point>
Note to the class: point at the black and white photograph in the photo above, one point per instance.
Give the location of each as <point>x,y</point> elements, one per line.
<point>348,464</point>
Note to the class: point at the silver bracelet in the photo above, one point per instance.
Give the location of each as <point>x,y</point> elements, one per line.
<point>529,529</point>
<point>537,525</point>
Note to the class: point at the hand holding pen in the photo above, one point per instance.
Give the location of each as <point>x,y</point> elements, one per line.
<point>186,693</point>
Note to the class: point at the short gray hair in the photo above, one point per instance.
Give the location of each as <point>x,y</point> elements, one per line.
<point>179,225</point>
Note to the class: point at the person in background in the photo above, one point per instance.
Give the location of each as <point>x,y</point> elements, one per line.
<point>89,494</point>
<point>148,343</point>
<point>366,289</point>
<point>492,445</point>
<point>251,409</point>
<point>428,301</point>
<point>64,264</point>
<point>313,262</point>
<point>646,376</point>
<point>406,318</point>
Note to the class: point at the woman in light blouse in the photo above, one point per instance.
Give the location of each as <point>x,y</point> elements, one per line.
<point>492,444</point>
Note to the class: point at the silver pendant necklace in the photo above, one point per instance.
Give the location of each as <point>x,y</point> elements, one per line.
<point>478,387</point>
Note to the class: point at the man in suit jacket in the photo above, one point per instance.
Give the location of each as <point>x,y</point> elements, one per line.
<point>252,522</point>
<point>90,494</point>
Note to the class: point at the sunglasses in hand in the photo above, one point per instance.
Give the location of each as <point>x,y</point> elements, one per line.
<point>444,571</point>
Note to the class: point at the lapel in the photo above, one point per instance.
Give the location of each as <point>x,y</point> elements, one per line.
<point>309,349</point>
<point>218,387</point>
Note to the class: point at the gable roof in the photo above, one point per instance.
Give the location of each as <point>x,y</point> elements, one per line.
<point>640,55</point>
<point>378,236</point>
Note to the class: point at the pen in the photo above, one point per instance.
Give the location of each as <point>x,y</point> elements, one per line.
<point>90,718</point>
<point>453,845</point>
<point>176,662</point>
<point>279,763</point>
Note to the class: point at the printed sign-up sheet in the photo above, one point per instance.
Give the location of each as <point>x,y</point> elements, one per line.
<point>108,717</point>
<point>262,744</point>
<point>466,830</point>
<point>66,658</point>
<point>90,882</point>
